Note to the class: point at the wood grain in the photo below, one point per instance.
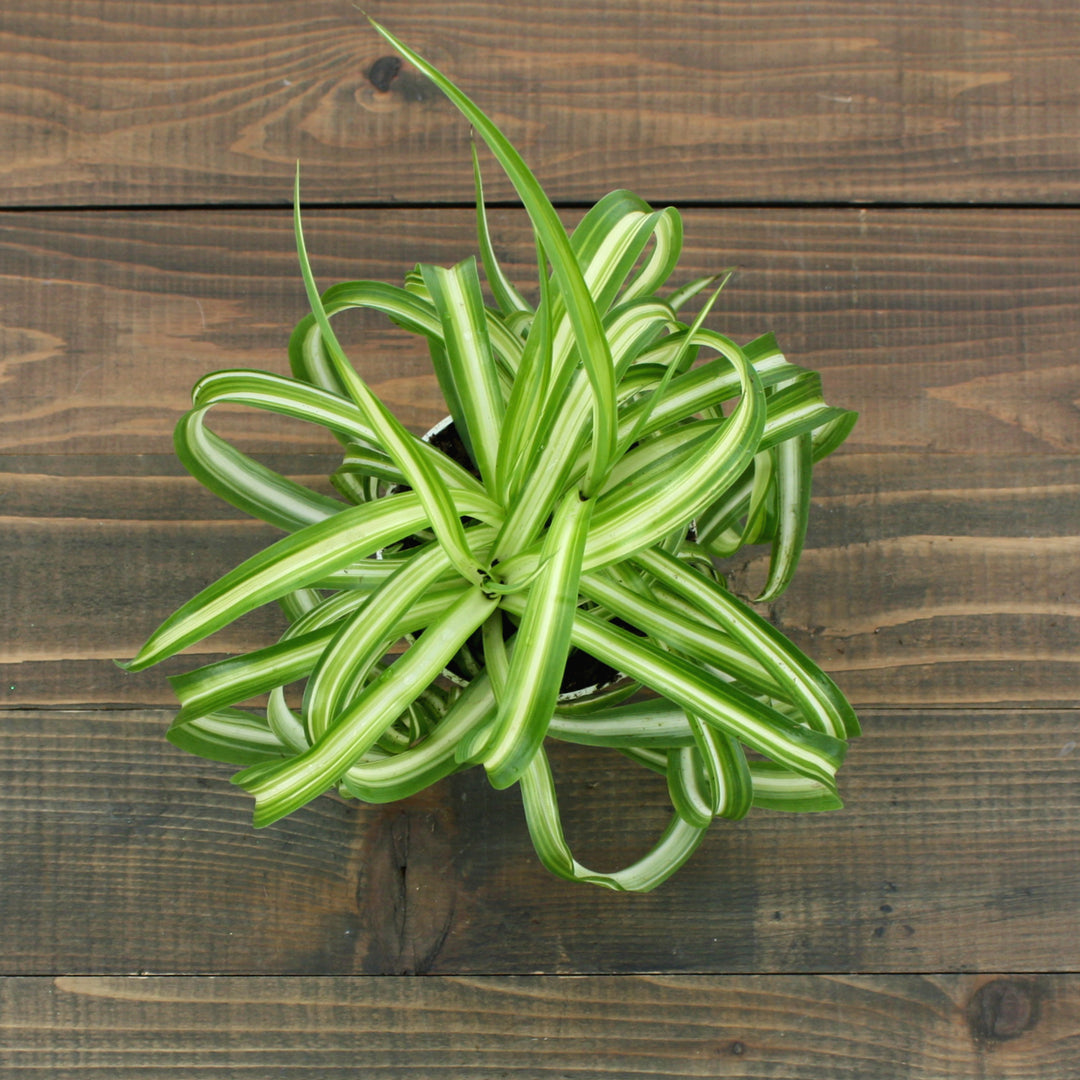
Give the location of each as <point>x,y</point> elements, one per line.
<point>899,1027</point>
<point>929,579</point>
<point>144,103</point>
<point>957,850</point>
<point>951,331</point>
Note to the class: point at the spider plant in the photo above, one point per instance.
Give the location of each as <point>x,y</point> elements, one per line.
<point>613,453</point>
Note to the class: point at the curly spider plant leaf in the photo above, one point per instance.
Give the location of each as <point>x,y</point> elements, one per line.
<point>679,841</point>
<point>280,788</point>
<point>592,345</point>
<point>543,641</point>
<point>471,366</point>
<point>399,443</point>
<point>506,293</point>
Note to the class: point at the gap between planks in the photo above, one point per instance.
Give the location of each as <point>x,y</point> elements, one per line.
<point>560,204</point>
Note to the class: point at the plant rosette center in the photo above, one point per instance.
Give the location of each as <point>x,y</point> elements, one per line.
<point>584,676</point>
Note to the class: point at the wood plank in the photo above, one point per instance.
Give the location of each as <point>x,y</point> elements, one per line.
<point>929,579</point>
<point>951,331</point>
<point>938,579</point>
<point>957,850</point>
<point>136,103</point>
<point>896,1027</point>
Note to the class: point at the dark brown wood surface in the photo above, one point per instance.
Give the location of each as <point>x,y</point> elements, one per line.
<point>929,930</point>
<point>817,1028</point>
<point>806,100</point>
<point>956,851</point>
<point>929,579</point>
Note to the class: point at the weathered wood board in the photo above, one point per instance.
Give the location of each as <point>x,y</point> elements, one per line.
<point>900,1027</point>
<point>958,850</point>
<point>781,100</point>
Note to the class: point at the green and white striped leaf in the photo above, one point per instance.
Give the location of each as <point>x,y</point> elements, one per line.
<point>688,787</point>
<point>230,735</point>
<point>831,434</point>
<point>399,443</point>
<point>822,705</point>
<point>610,239</point>
<point>238,678</point>
<point>633,517</point>
<point>289,397</point>
<point>606,243</point>
<point>244,482</point>
<point>340,605</point>
<point>292,563</point>
<point>690,637</point>
<point>556,463</point>
<point>409,308</point>
<point>705,386</point>
<point>440,363</point>
<point>471,366</point>
<point>653,723</point>
<point>727,773</point>
<point>523,421</point>
<point>362,638</point>
<point>657,394</point>
<point>279,789</point>
<point>677,844</point>
<point>794,467</point>
<point>797,409</point>
<point>543,641</point>
<point>496,654</point>
<point>361,461</point>
<point>666,228</point>
<point>648,757</point>
<point>506,294</point>
<point>412,770</point>
<point>666,450</point>
<point>284,723</point>
<point>666,494</point>
<point>685,293</point>
<point>777,788</point>
<point>297,604</point>
<point>806,751</point>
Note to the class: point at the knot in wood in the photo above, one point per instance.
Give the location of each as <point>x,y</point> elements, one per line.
<point>1001,1010</point>
<point>383,72</point>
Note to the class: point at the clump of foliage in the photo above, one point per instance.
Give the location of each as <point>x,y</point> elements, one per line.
<point>614,452</point>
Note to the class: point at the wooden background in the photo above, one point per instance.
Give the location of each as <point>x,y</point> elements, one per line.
<point>900,184</point>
